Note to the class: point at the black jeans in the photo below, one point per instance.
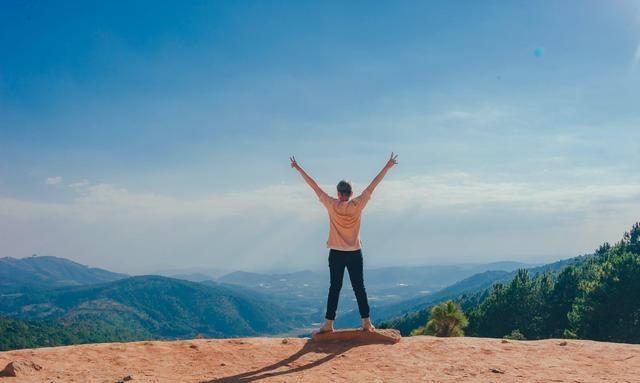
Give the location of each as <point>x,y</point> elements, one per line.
<point>352,260</point>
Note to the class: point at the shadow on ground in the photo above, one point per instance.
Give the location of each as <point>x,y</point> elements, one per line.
<point>331,349</point>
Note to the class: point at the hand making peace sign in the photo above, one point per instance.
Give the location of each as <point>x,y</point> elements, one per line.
<point>294,164</point>
<point>392,161</point>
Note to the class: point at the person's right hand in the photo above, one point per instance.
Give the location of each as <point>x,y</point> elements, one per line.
<point>294,163</point>
<point>392,161</point>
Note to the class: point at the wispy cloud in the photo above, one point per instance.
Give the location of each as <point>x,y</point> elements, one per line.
<point>484,114</point>
<point>80,184</point>
<point>466,191</point>
<point>53,180</point>
<point>446,190</point>
<point>273,225</point>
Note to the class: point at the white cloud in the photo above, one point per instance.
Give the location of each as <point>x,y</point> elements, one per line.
<point>464,190</point>
<point>78,185</point>
<point>53,180</point>
<point>103,202</point>
<point>284,224</point>
<point>446,190</point>
<point>485,114</point>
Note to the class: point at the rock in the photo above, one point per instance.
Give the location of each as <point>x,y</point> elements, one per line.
<point>563,343</point>
<point>285,341</point>
<point>127,378</point>
<point>504,341</point>
<point>496,370</point>
<point>20,367</point>
<point>377,336</point>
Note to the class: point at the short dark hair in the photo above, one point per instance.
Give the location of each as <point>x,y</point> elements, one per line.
<point>344,187</point>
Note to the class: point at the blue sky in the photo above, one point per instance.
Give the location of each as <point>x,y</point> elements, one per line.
<point>157,135</point>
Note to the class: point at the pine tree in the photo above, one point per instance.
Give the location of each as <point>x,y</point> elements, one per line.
<point>447,320</point>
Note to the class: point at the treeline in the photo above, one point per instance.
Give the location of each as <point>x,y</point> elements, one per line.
<point>136,308</point>
<point>17,333</point>
<point>597,299</point>
<point>592,297</point>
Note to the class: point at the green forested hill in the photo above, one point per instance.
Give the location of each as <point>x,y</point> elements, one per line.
<point>416,314</point>
<point>416,309</point>
<point>410,314</point>
<point>45,272</point>
<point>18,333</point>
<point>593,297</point>
<point>597,299</point>
<point>152,306</point>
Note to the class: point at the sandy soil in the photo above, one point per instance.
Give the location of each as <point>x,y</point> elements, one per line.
<point>415,359</point>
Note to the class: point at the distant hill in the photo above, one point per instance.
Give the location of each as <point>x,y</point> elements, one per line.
<point>154,307</point>
<point>429,277</point>
<point>45,272</point>
<point>298,291</point>
<point>199,272</point>
<point>472,284</point>
<point>412,313</point>
<point>596,299</point>
<point>307,290</point>
<point>378,278</point>
<point>193,277</point>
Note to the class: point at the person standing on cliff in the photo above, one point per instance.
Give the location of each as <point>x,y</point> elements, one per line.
<point>345,247</point>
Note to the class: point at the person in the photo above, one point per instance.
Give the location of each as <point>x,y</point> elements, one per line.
<point>345,246</point>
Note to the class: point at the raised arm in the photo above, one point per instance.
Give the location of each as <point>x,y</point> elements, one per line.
<point>392,161</point>
<point>319,192</point>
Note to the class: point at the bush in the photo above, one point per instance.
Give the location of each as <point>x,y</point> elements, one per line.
<point>446,320</point>
<point>515,335</point>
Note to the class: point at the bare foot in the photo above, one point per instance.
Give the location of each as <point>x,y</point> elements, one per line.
<point>327,327</point>
<point>367,325</point>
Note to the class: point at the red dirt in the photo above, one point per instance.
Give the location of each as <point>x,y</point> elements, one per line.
<point>414,359</point>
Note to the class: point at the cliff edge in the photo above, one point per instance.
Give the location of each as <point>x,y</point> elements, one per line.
<point>414,359</point>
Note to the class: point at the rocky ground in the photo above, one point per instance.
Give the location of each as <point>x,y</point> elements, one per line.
<point>414,359</point>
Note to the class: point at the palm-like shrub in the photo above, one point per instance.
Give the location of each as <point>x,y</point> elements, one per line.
<point>515,335</point>
<point>447,319</point>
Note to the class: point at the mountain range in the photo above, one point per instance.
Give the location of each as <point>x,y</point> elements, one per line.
<point>46,272</point>
<point>73,303</point>
<point>154,307</point>
<point>412,313</point>
<point>307,290</point>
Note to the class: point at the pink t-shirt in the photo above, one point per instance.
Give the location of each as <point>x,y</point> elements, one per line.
<point>344,220</point>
